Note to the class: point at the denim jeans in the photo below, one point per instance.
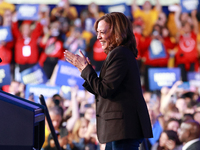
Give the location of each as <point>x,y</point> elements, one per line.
<point>126,144</point>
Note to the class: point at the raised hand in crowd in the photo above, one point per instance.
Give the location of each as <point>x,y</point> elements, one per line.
<point>74,107</point>
<point>166,95</point>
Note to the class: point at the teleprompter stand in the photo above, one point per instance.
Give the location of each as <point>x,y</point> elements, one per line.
<point>42,101</point>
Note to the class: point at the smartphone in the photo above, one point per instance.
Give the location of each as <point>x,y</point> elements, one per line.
<point>87,105</point>
<point>174,98</point>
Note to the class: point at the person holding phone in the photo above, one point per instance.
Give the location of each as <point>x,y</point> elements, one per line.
<point>121,112</point>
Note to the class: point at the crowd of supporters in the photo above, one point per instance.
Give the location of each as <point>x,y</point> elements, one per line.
<point>163,41</point>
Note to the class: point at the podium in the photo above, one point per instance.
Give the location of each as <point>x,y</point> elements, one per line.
<point>22,123</point>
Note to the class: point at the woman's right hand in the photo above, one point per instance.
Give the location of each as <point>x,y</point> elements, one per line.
<point>78,61</point>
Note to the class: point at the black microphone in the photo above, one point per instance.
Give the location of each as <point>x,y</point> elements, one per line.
<point>0,60</point>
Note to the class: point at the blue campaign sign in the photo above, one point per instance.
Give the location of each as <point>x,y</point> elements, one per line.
<point>68,75</point>
<point>163,77</point>
<point>157,49</point>
<point>27,12</point>
<point>37,89</point>
<point>34,75</point>
<point>189,5</point>
<point>5,76</point>
<point>121,7</point>
<point>194,78</point>
<point>6,34</point>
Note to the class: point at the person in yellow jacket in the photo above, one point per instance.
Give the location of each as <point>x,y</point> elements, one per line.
<point>5,5</point>
<point>63,9</point>
<point>148,14</point>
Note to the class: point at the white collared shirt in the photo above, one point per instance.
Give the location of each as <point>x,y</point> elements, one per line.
<point>189,143</point>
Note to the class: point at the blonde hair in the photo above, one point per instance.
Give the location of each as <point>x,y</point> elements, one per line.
<point>76,128</point>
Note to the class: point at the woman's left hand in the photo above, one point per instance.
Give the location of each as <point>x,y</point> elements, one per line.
<point>78,61</point>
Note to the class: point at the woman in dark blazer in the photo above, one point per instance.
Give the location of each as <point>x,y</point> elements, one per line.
<point>122,116</point>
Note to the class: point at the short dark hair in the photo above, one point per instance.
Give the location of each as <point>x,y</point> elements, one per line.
<point>121,31</point>
<point>56,110</point>
<point>172,135</point>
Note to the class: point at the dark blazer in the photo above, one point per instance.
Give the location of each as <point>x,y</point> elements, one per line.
<point>120,107</point>
<point>194,146</point>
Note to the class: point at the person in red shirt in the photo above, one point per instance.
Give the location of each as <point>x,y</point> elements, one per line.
<point>5,53</point>
<point>187,55</point>
<point>26,50</point>
<point>6,47</point>
<point>155,50</point>
<point>138,26</point>
<point>52,48</point>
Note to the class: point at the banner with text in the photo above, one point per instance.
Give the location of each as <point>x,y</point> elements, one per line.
<point>37,90</point>
<point>27,12</point>
<point>194,78</point>
<point>6,34</point>
<point>189,5</point>
<point>163,77</point>
<point>34,75</point>
<point>121,7</point>
<point>5,76</point>
<point>68,75</point>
